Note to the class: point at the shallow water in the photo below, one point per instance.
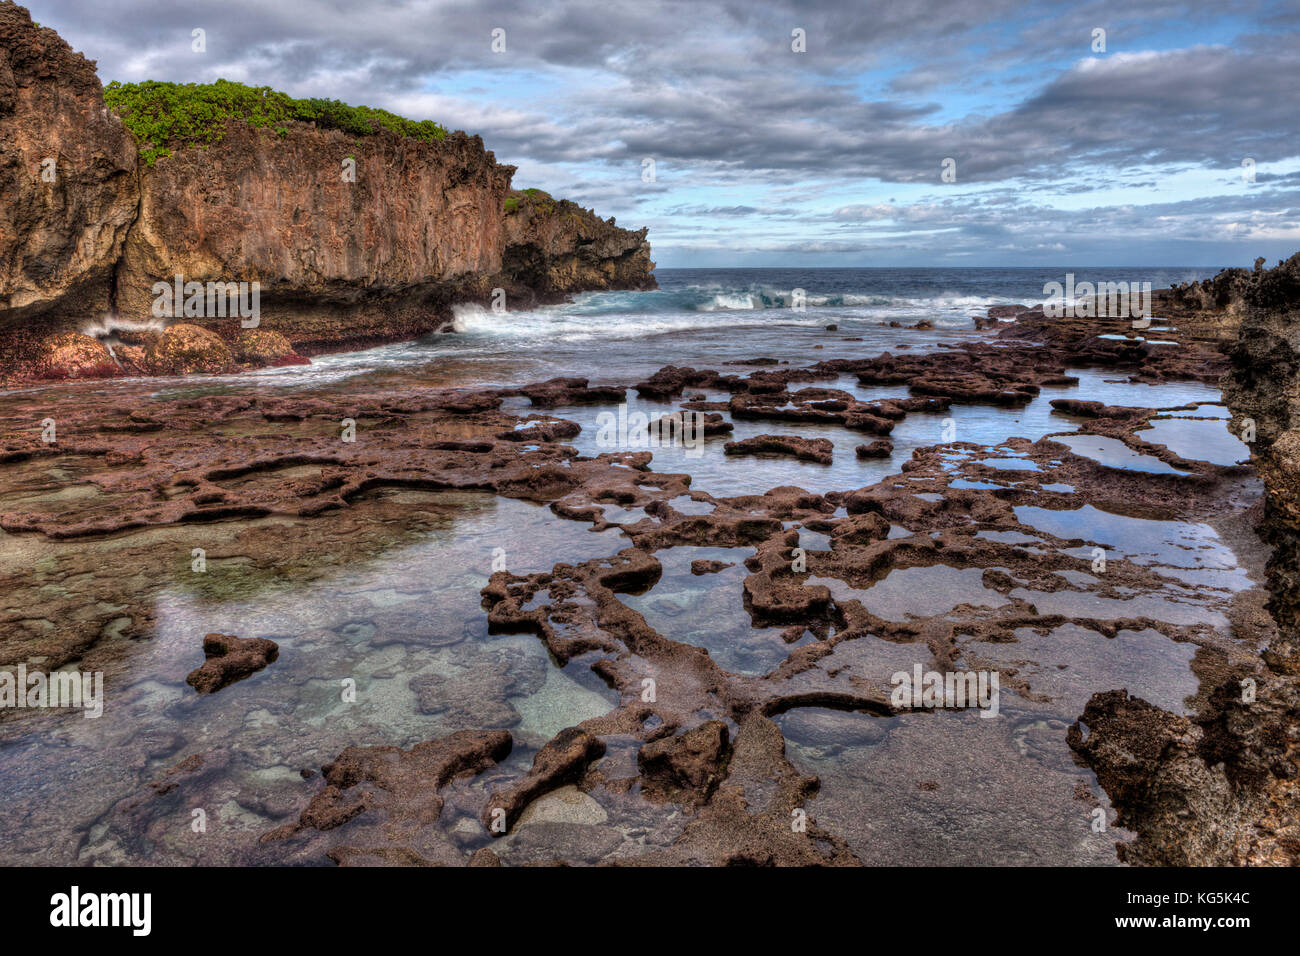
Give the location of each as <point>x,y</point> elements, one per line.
<point>1197,440</point>
<point>702,609</point>
<point>386,594</point>
<point>1115,454</point>
<point>978,424</point>
<point>416,674</point>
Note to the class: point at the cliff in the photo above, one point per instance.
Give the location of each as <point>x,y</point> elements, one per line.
<point>68,177</point>
<point>1262,389</point>
<point>353,238</point>
<point>338,261</point>
<point>556,247</point>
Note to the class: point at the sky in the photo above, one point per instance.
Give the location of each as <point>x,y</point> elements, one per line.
<point>1171,139</point>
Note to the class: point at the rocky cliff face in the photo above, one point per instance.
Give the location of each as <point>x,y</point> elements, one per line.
<point>68,177</point>
<point>351,241</point>
<point>553,248</point>
<point>341,254</point>
<point>1262,390</point>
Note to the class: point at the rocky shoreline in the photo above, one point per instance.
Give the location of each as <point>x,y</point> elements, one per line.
<point>1213,787</point>
<point>1222,789</point>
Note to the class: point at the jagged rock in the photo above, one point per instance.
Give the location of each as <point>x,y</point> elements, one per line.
<point>569,391</point>
<point>693,760</point>
<point>559,247</point>
<point>1262,390</point>
<point>881,448</point>
<point>1084,409</point>
<point>405,788</point>
<point>562,760</point>
<point>261,347</point>
<point>67,174</point>
<point>670,380</point>
<point>1218,789</point>
<point>1006,311</point>
<point>705,566</point>
<point>859,529</point>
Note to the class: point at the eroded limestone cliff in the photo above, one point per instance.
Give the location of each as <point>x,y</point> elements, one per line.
<point>67,177</point>
<point>351,240</point>
<point>1262,390</point>
<point>375,256</point>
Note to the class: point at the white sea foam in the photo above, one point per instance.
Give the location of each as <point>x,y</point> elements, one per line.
<point>109,325</point>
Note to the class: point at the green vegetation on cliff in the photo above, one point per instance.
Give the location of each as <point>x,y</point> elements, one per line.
<point>537,197</point>
<point>167,116</point>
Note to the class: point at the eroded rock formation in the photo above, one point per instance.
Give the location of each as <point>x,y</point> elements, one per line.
<point>1263,391</point>
<point>68,176</point>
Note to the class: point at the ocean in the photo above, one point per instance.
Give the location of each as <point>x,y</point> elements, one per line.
<point>703,317</point>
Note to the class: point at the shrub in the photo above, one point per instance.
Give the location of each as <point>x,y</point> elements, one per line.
<point>167,116</point>
<point>538,198</point>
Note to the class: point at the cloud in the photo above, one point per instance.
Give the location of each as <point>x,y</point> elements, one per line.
<point>744,131</point>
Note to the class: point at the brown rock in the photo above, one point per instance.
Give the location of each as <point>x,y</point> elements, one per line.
<point>704,566</point>
<point>694,760</point>
<point>73,355</point>
<point>185,349</point>
<point>561,761</point>
<point>859,529</point>
<point>818,450</point>
<point>1006,311</point>
<point>404,786</point>
<point>882,448</point>
<point>261,347</point>
<point>230,659</point>
<point>62,222</point>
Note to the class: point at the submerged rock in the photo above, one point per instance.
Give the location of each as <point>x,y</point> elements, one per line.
<point>230,659</point>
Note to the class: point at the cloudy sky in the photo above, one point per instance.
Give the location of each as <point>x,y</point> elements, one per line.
<point>1063,153</point>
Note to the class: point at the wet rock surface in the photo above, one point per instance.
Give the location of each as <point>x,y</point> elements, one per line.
<point>230,659</point>
<point>1221,788</point>
<point>816,449</point>
<point>568,709</point>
